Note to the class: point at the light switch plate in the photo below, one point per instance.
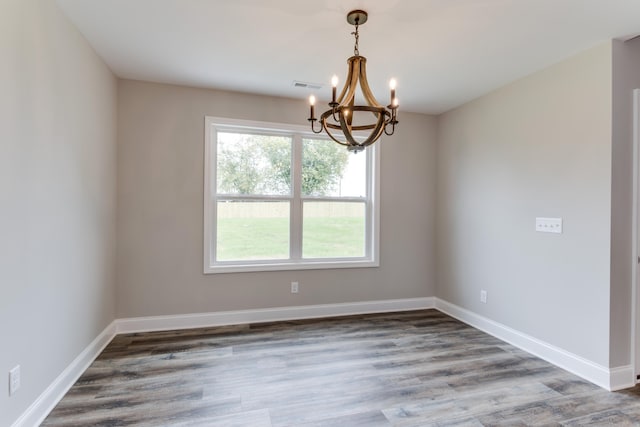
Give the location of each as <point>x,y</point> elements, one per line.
<point>14,380</point>
<point>549,225</point>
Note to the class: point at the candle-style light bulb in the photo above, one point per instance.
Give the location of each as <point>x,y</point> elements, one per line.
<point>312,102</point>
<point>392,86</point>
<point>334,85</point>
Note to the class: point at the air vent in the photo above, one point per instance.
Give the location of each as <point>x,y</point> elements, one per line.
<point>307,85</point>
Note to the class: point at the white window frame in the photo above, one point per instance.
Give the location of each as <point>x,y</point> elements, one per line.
<point>295,261</point>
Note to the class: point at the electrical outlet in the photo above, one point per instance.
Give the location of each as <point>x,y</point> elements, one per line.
<point>549,225</point>
<point>294,287</point>
<point>483,296</point>
<point>14,380</point>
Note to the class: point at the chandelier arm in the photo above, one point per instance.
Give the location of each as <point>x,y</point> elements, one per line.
<point>326,126</point>
<point>350,113</point>
<point>391,121</point>
<point>373,110</point>
<point>313,126</point>
<point>364,86</point>
<point>332,113</point>
<point>353,128</point>
<point>380,113</point>
<point>377,132</point>
<point>393,127</point>
<point>346,130</point>
<point>335,139</point>
<point>349,92</point>
<point>347,82</point>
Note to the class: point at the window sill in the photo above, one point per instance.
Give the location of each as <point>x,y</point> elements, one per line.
<point>285,266</point>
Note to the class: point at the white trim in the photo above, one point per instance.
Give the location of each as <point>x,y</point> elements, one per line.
<point>44,404</point>
<point>375,199</point>
<point>621,377</point>
<point>199,320</point>
<point>209,207</point>
<point>292,265</point>
<point>296,200</point>
<point>635,225</point>
<point>610,379</point>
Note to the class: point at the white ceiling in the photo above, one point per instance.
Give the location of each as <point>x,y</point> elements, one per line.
<point>442,52</point>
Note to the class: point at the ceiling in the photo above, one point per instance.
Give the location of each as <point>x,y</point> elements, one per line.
<point>442,52</point>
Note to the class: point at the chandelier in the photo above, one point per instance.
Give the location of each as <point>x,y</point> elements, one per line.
<point>339,120</point>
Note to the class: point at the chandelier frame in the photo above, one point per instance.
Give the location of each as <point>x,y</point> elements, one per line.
<point>340,115</point>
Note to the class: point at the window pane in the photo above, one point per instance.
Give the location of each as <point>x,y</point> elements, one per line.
<point>333,230</point>
<point>249,230</point>
<point>253,164</point>
<point>328,169</point>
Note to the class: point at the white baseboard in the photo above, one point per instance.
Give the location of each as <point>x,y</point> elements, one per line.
<point>200,320</point>
<point>38,411</point>
<point>610,379</point>
<point>621,377</point>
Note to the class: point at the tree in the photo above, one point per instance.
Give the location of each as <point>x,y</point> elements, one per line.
<point>246,164</point>
<point>323,164</point>
<point>261,164</point>
<point>238,171</point>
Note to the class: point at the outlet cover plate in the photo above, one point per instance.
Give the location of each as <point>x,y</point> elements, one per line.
<point>549,225</point>
<point>14,380</point>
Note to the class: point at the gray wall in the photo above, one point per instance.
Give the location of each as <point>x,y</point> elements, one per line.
<point>160,210</point>
<point>540,146</point>
<point>57,197</point>
<point>546,145</point>
<point>626,77</point>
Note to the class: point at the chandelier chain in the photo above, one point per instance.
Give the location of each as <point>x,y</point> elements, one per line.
<point>356,52</point>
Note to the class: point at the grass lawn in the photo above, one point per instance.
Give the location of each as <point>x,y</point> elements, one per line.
<point>333,237</point>
<point>268,238</point>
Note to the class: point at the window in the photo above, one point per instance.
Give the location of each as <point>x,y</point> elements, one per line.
<point>279,197</point>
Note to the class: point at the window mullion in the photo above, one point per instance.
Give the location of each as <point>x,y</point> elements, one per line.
<point>210,193</point>
<point>369,217</point>
<point>296,202</point>
<point>373,202</point>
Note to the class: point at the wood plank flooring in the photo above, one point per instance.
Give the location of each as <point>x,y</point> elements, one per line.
<point>419,368</point>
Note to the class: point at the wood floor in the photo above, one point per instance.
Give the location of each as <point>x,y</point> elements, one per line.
<point>419,368</point>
